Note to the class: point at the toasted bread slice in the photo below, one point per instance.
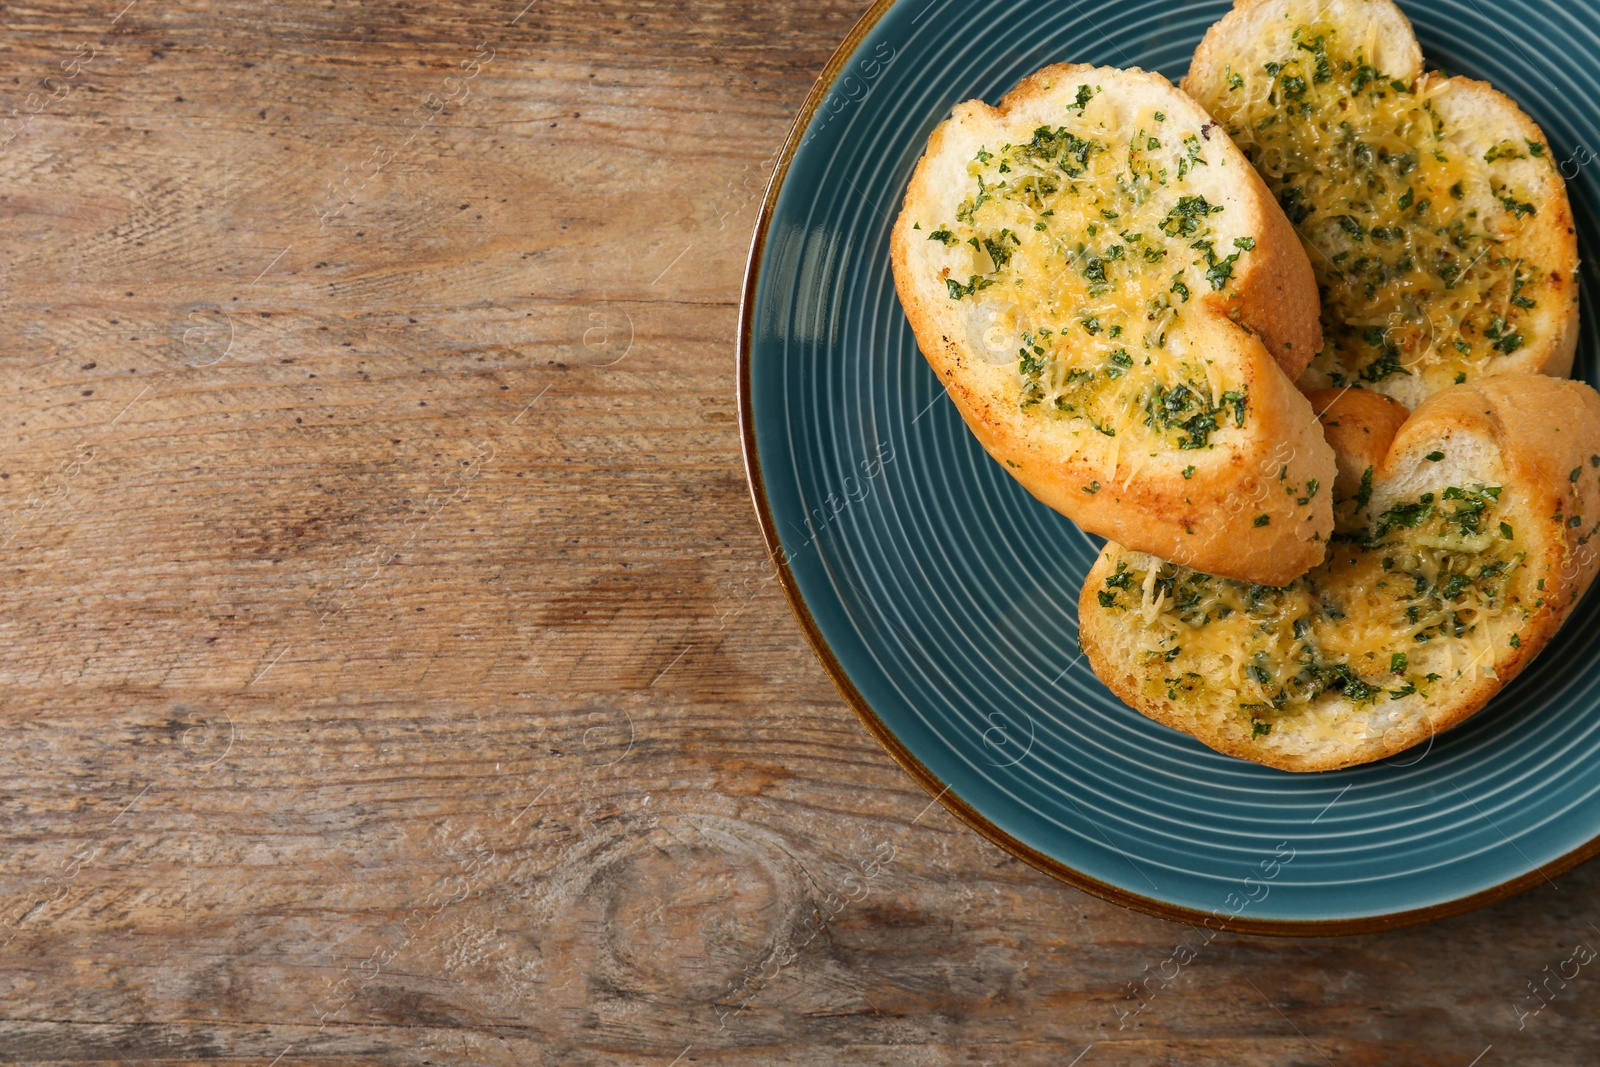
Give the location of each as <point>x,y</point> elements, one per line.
<point>1112,299</point>
<point>1435,215</point>
<point>1467,542</point>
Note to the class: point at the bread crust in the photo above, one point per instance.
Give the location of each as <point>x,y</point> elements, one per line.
<point>1268,333</point>
<point>1360,425</point>
<point>1479,117</point>
<point>1545,435</point>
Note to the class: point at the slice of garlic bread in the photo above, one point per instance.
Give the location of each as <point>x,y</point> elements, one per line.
<point>1117,307</point>
<point>1463,547</point>
<point>1432,207</point>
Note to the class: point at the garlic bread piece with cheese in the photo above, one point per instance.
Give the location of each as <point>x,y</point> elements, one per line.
<point>1436,218</point>
<point>1117,307</point>
<point>1463,544</point>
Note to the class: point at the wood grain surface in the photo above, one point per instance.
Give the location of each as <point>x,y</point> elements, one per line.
<point>393,673</point>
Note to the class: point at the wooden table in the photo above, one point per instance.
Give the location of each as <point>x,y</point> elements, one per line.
<point>393,670</point>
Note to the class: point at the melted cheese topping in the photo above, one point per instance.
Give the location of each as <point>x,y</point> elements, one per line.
<point>1423,595</point>
<point>1409,234</point>
<point>1087,243</point>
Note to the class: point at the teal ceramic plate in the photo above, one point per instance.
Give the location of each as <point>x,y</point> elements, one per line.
<point>942,597</point>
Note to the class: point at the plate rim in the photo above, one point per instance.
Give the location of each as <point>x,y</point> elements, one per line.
<point>937,788</point>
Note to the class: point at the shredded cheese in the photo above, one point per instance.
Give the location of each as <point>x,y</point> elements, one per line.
<point>1089,243</point>
<point>1421,595</point>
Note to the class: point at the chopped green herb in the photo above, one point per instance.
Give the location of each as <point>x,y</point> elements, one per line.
<point>974,284</point>
<point>1408,515</point>
<point>1387,363</point>
<point>1185,218</point>
<point>1364,493</point>
<point>1000,246</point>
<point>1518,209</point>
